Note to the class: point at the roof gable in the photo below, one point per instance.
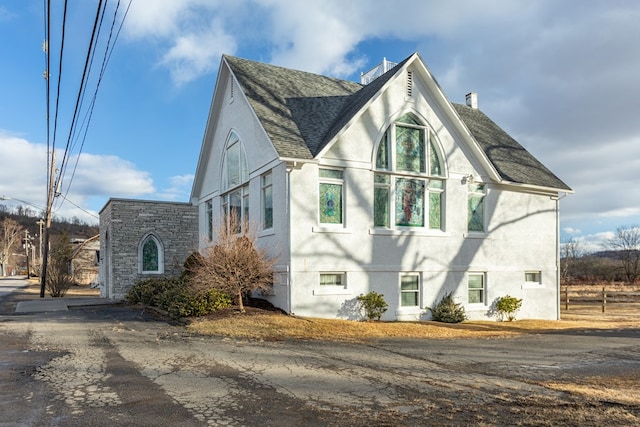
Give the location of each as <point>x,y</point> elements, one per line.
<point>295,108</point>
<point>302,112</point>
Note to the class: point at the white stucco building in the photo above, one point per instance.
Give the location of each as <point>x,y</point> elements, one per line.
<point>386,186</point>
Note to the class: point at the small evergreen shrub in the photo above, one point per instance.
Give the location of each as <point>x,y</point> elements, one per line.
<point>448,311</point>
<point>175,296</point>
<point>373,305</point>
<point>508,306</point>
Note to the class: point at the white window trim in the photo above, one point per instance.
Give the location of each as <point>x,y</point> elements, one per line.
<point>533,285</point>
<point>484,193</point>
<point>332,289</point>
<point>208,215</point>
<point>263,203</point>
<point>483,303</point>
<point>409,308</point>
<point>324,226</point>
<point>426,176</point>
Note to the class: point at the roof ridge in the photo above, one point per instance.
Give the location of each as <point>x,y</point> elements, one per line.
<point>358,99</point>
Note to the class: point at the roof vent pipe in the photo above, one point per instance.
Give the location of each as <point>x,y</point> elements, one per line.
<point>472,100</point>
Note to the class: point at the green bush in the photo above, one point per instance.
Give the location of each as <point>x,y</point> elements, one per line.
<point>448,311</point>
<point>508,306</point>
<point>174,295</point>
<point>373,305</point>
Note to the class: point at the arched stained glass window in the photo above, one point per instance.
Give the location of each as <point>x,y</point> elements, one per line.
<point>409,176</point>
<point>150,255</point>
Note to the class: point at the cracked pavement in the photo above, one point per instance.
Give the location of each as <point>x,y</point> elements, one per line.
<point>115,365</point>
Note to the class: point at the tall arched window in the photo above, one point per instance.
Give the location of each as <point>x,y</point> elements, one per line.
<point>409,177</point>
<point>235,185</point>
<point>150,255</point>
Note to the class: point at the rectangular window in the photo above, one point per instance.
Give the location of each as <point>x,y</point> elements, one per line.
<point>333,279</point>
<point>209,218</point>
<point>476,283</point>
<point>267,201</point>
<point>533,277</point>
<point>477,194</point>
<point>409,202</point>
<point>330,200</point>
<point>410,290</point>
<point>436,190</point>
<point>381,191</point>
<point>235,209</point>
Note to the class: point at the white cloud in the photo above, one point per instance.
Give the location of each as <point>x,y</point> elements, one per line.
<point>190,33</point>
<point>97,177</point>
<point>559,76</point>
<point>179,188</point>
<point>571,230</point>
<point>596,242</point>
<point>194,55</point>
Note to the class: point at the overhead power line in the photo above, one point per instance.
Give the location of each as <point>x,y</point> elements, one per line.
<point>55,177</point>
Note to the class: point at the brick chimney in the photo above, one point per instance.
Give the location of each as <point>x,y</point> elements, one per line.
<point>472,100</point>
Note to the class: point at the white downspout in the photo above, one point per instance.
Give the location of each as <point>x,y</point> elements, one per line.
<point>288,216</point>
<point>558,265</point>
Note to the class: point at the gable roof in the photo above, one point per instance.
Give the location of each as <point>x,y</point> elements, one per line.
<point>302,112</point>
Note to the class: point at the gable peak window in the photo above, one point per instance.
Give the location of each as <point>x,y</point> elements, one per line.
<point>409,176</point>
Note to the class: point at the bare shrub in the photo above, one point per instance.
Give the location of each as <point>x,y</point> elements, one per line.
<point>233,263</point>
<point>58,280</point>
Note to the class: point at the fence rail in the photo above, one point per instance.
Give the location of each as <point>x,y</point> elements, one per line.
<point>600,297</point>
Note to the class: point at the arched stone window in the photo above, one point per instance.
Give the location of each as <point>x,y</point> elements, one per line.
<point>150,255</point>
<point>235,185</point>
<point>409,177</point>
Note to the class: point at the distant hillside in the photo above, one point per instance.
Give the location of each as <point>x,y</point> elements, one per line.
<point>75,229</point>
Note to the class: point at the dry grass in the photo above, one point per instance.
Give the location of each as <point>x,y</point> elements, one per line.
<point>33,290</point>
<point>271,326</point>
<point>605,389</point>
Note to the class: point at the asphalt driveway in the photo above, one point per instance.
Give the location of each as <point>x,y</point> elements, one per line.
<point>117,365</point>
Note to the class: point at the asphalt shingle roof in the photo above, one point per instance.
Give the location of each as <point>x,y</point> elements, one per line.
<point>512,161</point>
<point>301,112</point>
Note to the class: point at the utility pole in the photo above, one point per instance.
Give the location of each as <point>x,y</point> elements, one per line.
<point>41,224</point>
<point>47,224</point>
<point>26,249</point>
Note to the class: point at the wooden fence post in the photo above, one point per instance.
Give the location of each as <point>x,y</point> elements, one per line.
<point>604,299</point>
<point>566,298</point>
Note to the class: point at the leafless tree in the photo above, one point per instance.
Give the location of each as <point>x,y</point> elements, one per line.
<point>234,264</point>
<point>571,251</point>
<point>626,244</point>
<point>10,234</point>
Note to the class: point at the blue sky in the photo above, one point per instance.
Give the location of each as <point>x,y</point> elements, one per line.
<point>560,76</point>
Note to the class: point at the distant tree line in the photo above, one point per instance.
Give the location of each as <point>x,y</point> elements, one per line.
<point>20,238</point>
<point>28,217</point>
<point>619,263</point>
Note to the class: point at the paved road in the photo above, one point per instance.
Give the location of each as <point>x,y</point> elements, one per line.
<point>118,366</point>
<point>9,284</point>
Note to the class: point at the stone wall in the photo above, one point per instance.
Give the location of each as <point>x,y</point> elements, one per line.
<point>123,226</point>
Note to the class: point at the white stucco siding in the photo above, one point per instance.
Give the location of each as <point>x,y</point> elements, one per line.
<point>520,237</point>
<point>238,117</point>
